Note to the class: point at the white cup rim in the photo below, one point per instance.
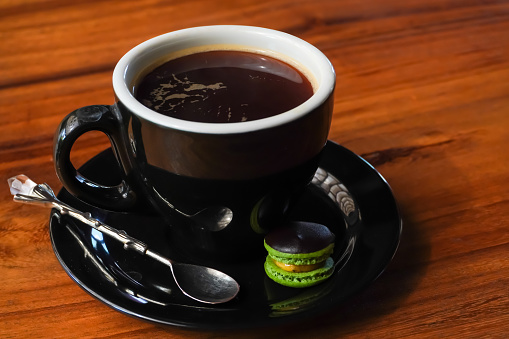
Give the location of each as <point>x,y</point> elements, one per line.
<point>252,37</point>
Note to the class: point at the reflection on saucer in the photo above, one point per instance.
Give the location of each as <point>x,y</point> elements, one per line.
<point>302,301</point>
<point>101,268</point>
<point>338,193</point>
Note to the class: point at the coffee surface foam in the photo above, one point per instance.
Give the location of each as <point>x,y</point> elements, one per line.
<point>218,85</point>
<point>224,47</point>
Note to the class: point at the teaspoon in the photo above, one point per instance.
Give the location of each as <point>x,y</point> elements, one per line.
<point>203,284</point>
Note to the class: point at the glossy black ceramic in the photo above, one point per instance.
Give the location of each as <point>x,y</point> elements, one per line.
<point>253,169</point>
<point>256,175</point>
<point>347,195</point>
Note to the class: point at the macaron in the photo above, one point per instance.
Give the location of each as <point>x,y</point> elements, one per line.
<point>299,254</point>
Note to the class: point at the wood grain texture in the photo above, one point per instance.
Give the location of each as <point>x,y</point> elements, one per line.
<point>422,93</point>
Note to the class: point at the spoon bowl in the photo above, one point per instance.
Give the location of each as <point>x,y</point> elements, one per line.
<point>203,284</point>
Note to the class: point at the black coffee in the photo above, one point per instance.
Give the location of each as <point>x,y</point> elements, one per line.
<point>223,86</point>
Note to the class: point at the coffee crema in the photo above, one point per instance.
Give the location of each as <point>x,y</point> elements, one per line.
<point>223,86</point>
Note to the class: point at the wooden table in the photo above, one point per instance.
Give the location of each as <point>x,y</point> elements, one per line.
<point>422,94</point>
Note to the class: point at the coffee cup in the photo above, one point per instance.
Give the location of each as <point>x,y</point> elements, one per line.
<point>242,175</point>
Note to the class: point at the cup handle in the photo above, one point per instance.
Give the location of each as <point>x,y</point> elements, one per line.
<point>91,118</point>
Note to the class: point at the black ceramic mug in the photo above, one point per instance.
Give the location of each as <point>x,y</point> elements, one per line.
<point>255,169</point>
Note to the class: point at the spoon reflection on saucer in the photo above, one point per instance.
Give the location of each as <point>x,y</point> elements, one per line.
<point>212,218</point>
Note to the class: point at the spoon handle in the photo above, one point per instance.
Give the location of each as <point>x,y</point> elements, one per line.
<point>207,290</point>
<point>42,194</point>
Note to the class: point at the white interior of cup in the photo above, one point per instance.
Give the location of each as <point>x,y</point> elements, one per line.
<point>154,51</point>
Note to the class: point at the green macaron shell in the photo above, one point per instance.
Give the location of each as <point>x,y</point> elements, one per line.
<point>300,279</point>
<point>300,258</point>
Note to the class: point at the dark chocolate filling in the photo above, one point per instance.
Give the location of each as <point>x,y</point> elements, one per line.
<point>300,237</point>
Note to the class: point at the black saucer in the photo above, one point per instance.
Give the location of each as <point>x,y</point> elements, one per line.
<point>348,195</point>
